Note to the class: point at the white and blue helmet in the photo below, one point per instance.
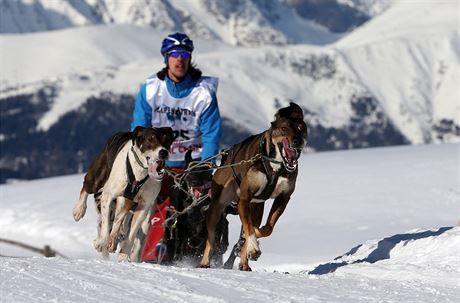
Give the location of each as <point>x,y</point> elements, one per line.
<point>176,41</point>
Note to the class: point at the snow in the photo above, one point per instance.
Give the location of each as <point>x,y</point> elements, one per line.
<point>238,23</point>
<point>407,58</point>
<point>392,200</point>
<point>408,48</point>
<point>369,7</point>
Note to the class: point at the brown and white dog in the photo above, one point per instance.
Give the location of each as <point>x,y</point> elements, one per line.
<point>128,170</point>
<point>273,175</point>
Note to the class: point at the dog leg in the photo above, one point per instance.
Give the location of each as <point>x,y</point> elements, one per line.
<point>101,242</point>
<point>79,209</point>
<point>141,237</point>
<point>145,204</point>
<point>251,246</point>
<point>277,209</point>
<point>141,217</point>
<point>257,212</point>
<point>127,244</point>
<point>123,207</point>
<point>214,214</point>
<point>244,263</point>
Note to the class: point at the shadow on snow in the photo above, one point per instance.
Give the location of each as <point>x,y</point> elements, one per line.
<point>382,251</point>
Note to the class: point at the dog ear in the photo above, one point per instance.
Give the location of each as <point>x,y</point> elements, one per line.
<point>137,132</point>
<point>167,136</point>
<point>293,111</point>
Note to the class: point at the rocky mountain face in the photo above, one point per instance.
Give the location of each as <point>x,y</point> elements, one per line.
<point>70,144</point>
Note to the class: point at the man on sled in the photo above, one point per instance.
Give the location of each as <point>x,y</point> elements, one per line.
<point>178,96</point>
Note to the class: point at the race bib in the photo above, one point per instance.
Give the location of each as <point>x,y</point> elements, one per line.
<point>179,148</point>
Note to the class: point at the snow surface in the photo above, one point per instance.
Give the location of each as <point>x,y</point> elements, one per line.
<point>392,200</point>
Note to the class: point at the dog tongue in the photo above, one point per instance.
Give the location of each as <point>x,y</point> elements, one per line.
<point>196,193</point>
<point>153,165</point>
<point>291,153</point>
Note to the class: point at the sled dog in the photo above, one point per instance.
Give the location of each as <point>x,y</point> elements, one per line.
<point>129,170</point>
<point>271,174</point>
<point>186,236</point>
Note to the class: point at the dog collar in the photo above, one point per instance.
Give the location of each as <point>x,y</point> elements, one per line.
<point>262,144</point>
<point>137,158</point>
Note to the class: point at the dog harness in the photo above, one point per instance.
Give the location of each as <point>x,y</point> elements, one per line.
<point>133,187</point>
<point>270,186</point>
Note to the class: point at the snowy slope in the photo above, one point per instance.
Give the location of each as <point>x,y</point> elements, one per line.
<point>369,7</point>
<point>411,53</point>
<point>429,252</point>
<point>421,50</point>
<point>392,81</point>
<point>343,199</point>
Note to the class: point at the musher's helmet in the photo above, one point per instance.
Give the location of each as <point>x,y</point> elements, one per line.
<point>176,41</point>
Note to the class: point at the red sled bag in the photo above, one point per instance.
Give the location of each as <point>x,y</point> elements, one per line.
<point>155,250</point>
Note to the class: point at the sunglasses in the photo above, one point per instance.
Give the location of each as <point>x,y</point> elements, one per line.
<point>183,54</point>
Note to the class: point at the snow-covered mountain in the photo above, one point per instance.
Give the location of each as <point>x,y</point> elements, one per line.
<point>393,80</point>
<point>248,22</point>
<point>368,7</point>
<point>406,199</point>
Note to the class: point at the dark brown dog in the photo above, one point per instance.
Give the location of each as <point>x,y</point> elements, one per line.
<point>250,184</point>
<point>191,227</point>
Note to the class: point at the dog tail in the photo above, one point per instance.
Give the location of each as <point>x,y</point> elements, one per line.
<point>80,207</point>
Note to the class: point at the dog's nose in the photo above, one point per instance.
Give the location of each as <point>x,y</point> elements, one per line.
<point>163,154</point>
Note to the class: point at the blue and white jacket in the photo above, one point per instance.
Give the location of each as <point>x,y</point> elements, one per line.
<point>189,108</point>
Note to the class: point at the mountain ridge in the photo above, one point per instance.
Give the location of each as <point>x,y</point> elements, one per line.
<point>374,87</point>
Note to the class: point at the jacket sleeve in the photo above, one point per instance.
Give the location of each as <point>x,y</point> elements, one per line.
<point>142,114</point>
<point>211,129</point>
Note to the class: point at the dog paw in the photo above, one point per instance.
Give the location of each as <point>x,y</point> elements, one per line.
<point>122,257</point>
<point>135,256</point>
<point>253,248</point>
<point>254,255</point>
<point>79,212</point>
<point>204,264</point>
<point>244,267</point>
<point>100,245</point>
<point>112,244</point>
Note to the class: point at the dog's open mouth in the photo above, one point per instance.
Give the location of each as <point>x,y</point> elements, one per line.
<point>156,169</point>
<point>289,155</point>
<point>198,191</point>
